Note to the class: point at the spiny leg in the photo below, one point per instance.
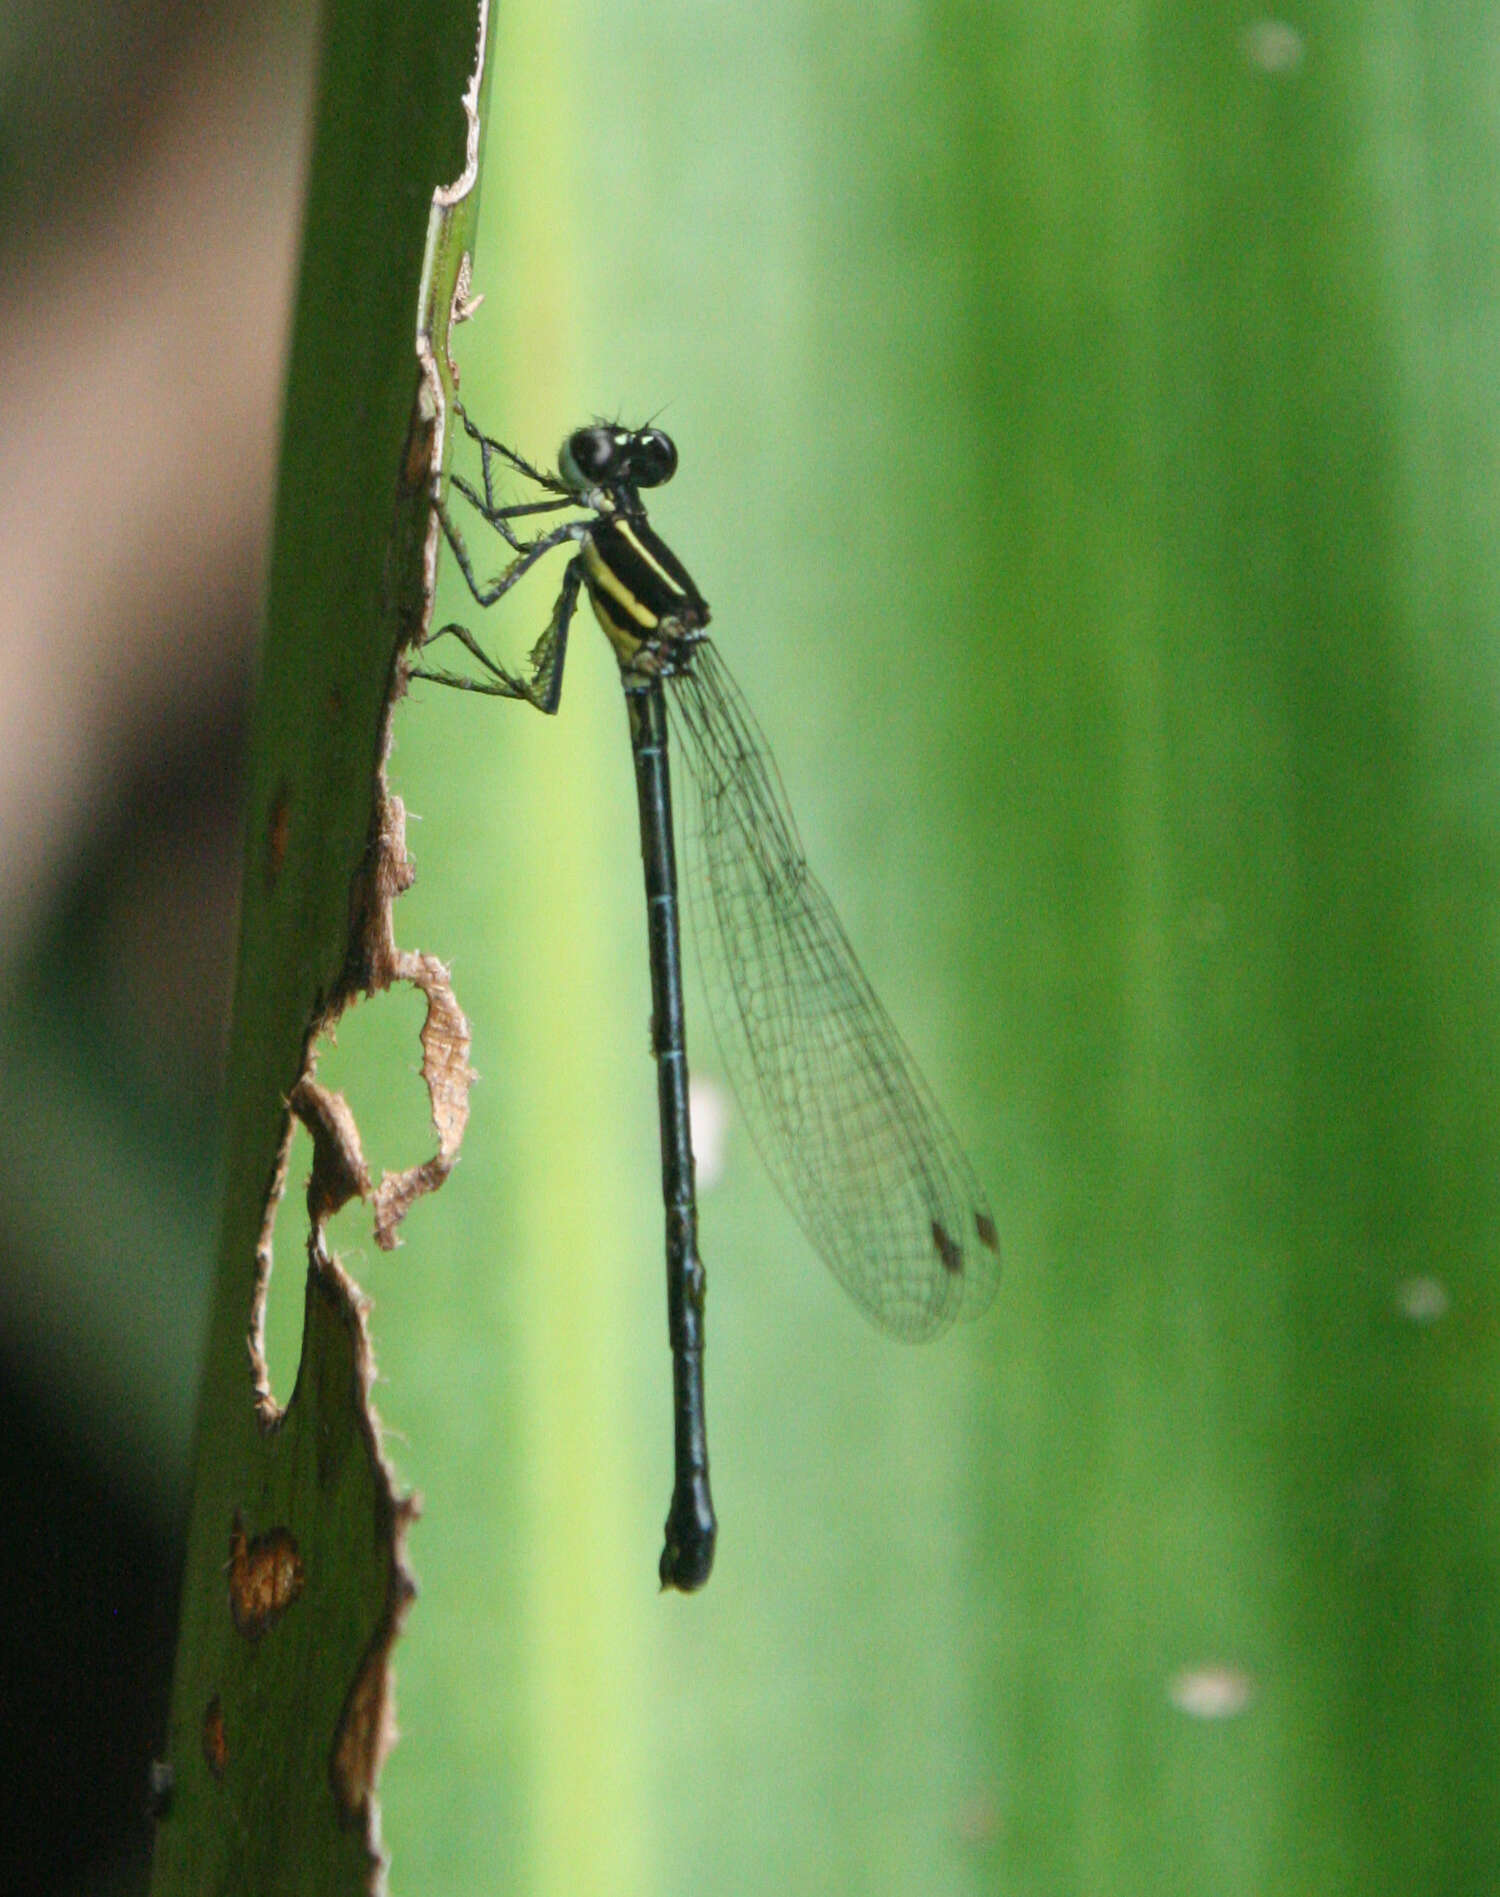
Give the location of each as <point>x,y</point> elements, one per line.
<point>528,551</point>
<point>488,447</point>
<point>500,517</point>
<point>500,684</point>
<point>544,687</point>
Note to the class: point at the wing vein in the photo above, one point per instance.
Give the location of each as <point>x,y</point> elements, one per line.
<point>849,1130</point>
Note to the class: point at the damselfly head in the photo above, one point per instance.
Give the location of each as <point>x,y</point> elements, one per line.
<point>604,457</point>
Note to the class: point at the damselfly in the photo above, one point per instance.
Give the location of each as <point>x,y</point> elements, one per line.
<point>847,1127</point>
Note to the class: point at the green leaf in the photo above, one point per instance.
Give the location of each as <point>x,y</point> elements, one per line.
<point>295,1582</point>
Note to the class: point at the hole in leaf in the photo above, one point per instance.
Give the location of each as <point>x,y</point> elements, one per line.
<point>374,1061</point>
<point>286,1293</point>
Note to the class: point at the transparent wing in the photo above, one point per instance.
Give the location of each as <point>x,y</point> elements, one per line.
<point>847,1127</point>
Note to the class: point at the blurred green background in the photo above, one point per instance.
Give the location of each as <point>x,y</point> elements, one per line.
<point>1090,435</point>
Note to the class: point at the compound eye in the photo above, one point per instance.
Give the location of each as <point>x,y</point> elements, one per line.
<point>653,458</point>
<point>588,457</point>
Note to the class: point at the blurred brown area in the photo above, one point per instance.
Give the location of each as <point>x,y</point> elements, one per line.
<point>150,170</point>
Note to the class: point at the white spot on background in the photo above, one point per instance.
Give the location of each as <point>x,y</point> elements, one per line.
<point>709,1112</point>
<point>1275,46</point>
<point>1422,1300</point>
<point>1210,1692</point>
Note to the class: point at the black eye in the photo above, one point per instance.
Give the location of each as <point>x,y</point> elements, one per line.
<point>653,458</point>
<point>592,452</point>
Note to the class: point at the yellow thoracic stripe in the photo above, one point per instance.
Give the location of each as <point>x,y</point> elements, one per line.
<point>626,640</point>
<point>632,539</point>
<point>602,575</point>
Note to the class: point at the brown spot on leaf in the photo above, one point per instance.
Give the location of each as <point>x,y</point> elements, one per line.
<point>366,1732</point>
<point>265,1577</point>
<point>416,463</point>
<point>278,834</point>
<point>365,1735</point>
<point>215,1738</point>
<point>367,1725</point>
<point>984,1225</point>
